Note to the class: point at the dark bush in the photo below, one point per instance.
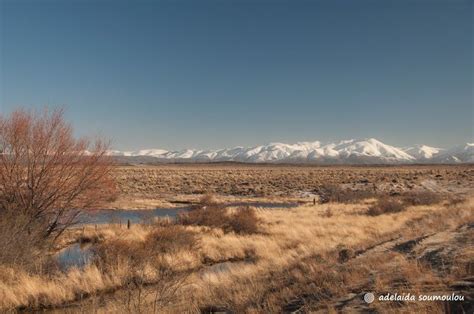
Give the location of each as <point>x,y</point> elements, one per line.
<point>93,239</point>
<point>421,198</point>
<point>334,193</point>
<point>455,200</point>
<point>386,205</point>
<point>171,239</point>
<point>211,216</point>
<point>243,221</point>
<point>345,254</point>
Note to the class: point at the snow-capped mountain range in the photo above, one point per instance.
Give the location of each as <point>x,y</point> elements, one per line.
<point>365,151</point>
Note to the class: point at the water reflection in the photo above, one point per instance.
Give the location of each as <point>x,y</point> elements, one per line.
<point>76,255</point>
<point>122,215</point>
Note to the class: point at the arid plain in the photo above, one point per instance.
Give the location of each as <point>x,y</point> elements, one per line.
<point>142,186</point>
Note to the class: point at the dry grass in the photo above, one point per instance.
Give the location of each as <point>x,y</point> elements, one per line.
<point>317,283</point>
<point>155,255</point>
<point>22,242</point>
<point>287,269</point>
<point>293,260</point>
<point>386,205</point>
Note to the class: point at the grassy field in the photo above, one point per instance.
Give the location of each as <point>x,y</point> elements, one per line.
<point>311,257</point>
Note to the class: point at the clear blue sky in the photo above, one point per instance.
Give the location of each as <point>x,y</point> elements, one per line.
<point>211,74</point>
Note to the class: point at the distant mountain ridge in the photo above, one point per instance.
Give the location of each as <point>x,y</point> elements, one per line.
<point>363,151</point>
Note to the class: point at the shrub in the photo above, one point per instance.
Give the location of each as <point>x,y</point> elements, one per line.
<point>211,216</point>
<point>421,198</point>
<point>171,239</point>
<point>456,200</point>
<point>334,193</point>
<point>242,221</point>
<point>386,205</point>
<point>93,239</point>
<point>118,253</point>
<point>207,199</point>
<point>344,255</point>
<point>160,241</point>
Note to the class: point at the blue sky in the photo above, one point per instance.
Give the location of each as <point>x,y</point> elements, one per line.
<point>211,74</point>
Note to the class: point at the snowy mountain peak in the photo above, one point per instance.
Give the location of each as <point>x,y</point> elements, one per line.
<point>371,147</point>
<point>354,151</point>
<point>423,151</point>
<point>459,154</point>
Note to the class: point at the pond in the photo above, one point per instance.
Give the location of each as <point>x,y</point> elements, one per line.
<point>106,216</point>
<point>76,255</point>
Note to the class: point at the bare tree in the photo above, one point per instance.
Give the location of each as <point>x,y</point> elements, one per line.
<point>47,176</point>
